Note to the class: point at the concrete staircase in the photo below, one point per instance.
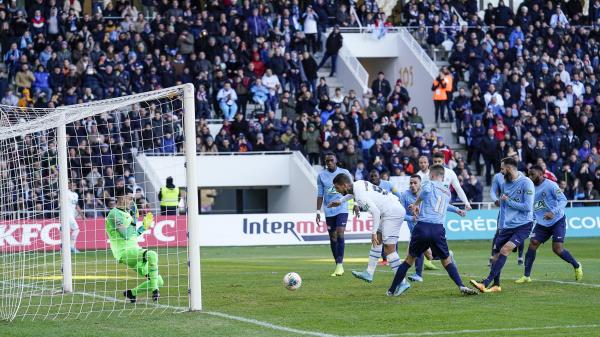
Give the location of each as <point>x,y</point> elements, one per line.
<point>332,82</point>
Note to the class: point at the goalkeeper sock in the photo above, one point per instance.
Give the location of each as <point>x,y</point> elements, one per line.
<point>155,281</point>
<point>374,255</point>
<point>152,257</point>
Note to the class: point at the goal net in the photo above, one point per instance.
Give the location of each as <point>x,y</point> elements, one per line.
<point>75,235</point>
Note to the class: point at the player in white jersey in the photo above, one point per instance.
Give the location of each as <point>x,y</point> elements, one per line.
<point>450,179</point>
<point>423,168</point>
<point>73,211</point>
<point>388,217</point>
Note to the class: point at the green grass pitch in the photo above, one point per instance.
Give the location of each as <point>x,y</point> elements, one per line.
<point>247,283</point>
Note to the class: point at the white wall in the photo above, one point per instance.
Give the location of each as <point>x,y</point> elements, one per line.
<point>346,74</point>
<point>393,55</point>
<point>290,182</point>
<point>366,45</point>
<point>226,170</point>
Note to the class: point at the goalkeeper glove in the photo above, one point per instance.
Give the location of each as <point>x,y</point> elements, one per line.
<point>148,221</point>
<point>134,212</point>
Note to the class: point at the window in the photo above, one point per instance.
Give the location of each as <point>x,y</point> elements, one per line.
<point>233,201</point>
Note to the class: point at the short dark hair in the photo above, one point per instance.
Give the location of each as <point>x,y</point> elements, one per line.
<point>439,155</point>
<point>341,178</point>
<point>120,192</point>
<point>437,170</point>
<point>510,161</point>
<point>537,168</point>
<point>329,153</point>
<point>373,171</point>
<point>416,176</point>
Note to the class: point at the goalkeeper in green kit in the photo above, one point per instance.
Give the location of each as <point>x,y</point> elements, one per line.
<point>122,233</point>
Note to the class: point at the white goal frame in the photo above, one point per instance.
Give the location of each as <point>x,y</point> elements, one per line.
<point>10,128</point>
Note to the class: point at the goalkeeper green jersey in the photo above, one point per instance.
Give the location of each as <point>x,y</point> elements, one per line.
<point>121,231</point>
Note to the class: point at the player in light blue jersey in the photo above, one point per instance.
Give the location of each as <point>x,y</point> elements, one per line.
<point>549,213</point>
<point>495,193</point>
<point>516,205</point>
<point>335,217</point>
<point>408,199</point>
<point>430,207</point>
<point>376,180</point>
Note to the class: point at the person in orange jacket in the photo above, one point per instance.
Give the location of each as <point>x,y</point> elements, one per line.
<point>440,96</point>
<point>449,79</point>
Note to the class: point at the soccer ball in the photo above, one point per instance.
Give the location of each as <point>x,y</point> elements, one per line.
<point>292,281</point>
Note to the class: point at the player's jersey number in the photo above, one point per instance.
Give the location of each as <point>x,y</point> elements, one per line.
<point>376,188</point>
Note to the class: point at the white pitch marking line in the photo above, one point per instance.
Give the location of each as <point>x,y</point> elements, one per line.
<point>593,285</point>
<point>483,331</point>
<point>211,313</point>
<point>268,325</point>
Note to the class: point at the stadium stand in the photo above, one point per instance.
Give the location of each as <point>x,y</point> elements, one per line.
<point>530,78</point>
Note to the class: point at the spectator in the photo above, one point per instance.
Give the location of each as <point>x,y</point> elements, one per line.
<point>332,47</point>
<point>488,147</point>
<point>310,70</point>
<point>24,77</point>
<point>312,140</point>
<point>227,101</point>
<point>440,97</point>
<point>260,93</point>
<point>310,21</point>
<point>435,37</point>
<point>273,85</point>
<point>381,87</point>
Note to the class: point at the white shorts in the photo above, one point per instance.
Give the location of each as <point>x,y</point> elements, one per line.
<point>73,224</point>
<point>390,229</point>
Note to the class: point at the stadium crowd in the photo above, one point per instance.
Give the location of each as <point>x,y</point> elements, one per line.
<point>532,89</point>
<point>530,84</point>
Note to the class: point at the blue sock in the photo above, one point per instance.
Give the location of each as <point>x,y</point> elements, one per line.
<point>521,248</point>
<point>565,255</point>
<point>497,280</point>
<point>333,246</point>
<point>383,254</point>
<point>419,265</point>
<point>494,243</point>
<point>454,275</point>
<point>529,258</point>
<point>341,245</point>
<point>495,270</point>
<point>400,275</point>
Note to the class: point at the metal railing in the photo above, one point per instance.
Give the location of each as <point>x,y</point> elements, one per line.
<point>412,43</point>
<point>357,69</point>
<point>307,167</point>
<point>460,18</point>
<point>419,51</point>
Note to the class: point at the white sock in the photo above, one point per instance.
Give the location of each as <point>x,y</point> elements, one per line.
<point>74,235</point>
<point>394,261</point>
<point>374,255</point>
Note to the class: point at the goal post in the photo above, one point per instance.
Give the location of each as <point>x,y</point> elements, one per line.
<point>192,201</point>
<point>61,173</point>
<point>63,185</point>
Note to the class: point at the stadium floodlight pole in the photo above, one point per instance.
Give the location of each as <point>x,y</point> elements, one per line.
<point>63,187</point>
<point>189,124</point>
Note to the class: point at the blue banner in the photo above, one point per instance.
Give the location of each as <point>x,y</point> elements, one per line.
<point>481,224</point>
